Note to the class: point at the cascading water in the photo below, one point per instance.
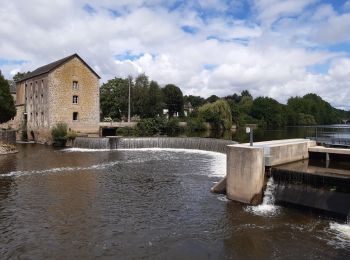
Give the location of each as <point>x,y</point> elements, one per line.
<point>340,233</point>
<point>91,143</point>
<point>207,144</point>
<point>267,207</point>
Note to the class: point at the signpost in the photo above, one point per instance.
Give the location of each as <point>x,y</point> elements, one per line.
<point>249,131</point>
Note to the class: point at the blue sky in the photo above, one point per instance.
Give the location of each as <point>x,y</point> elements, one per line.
<point>270,47</point>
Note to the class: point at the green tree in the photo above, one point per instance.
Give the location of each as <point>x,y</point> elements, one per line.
<point>155,103</point>
<point>19,75</point>
<point>246,93</point>
<point>173,99</point>
<point>269,112</point>
<point>218,114</point>
<point>140,102</point>
<point>7,104</point>
<point>114,98</point>
<point>313,105</point>
<point>212,98</point>
<point>196,101</point>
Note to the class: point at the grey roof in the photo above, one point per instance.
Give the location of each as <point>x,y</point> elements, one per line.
<point>53,65</point>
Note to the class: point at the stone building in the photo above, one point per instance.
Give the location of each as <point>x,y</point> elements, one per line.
<point>66,91</point>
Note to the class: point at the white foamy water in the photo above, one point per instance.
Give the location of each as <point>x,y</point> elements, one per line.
<point>99,166</point>
<point>267,207</point>
<point>340,234</point>
<point>222,198</point>
<point>217,162</point>
<point>217,169</point>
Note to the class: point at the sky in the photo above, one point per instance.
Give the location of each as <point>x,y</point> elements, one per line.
<point>272,48</point>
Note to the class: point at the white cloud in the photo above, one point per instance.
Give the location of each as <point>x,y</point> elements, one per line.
<point>270,55</point>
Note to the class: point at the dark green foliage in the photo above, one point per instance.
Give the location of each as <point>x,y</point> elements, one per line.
<point>19,75</point>
<point>139,96</point>
<point>151,126</point>
<point>146,98</point>
<point>173,99</point>
<point>173,126</point>
<point>155,103</point>
<point>114,98</point>
<point>196,124</point>
<point>196,101</point>
<point>269,111</point>
<point>24,134</point>
<point>234,98</point>
<point>311,105</point>
<point>59,134</point>
<point>7,104</point>
<point>212,98</point>
<point>218,114</point>
<point>246,93</point>
<point>127,131</point>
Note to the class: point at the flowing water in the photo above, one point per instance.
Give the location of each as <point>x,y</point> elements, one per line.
<point>145,204</point>
<point>267,207</point>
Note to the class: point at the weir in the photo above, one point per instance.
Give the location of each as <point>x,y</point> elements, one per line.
<point>196,143</point>
<point>302,184</point>
<point>246,165</point>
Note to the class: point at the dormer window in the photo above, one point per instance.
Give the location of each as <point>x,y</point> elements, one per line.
<point>75,99</point>
<point>75,85</point>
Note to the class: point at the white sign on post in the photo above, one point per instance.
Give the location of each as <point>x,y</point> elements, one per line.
<point>247,130</point>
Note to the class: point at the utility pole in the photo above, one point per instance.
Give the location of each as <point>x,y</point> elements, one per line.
<point>129,107</point>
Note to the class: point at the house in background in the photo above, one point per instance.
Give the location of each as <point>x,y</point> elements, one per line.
<point>66,90</point>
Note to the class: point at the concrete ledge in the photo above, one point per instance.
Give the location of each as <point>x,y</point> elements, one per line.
<point>321,149</point>
<point>284,151</point>
<point>245,173</point>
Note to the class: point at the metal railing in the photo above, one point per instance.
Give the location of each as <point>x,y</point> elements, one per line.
<point>330,135</point>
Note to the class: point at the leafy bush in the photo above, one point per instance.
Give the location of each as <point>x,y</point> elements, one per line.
<point>71,135</point>
<point>107,119</point>
<point>59,134</point>
<point>196,124</point>
<point>151,126</point>
<point>24,134</point>
<point>126,131</point>
<point>173,126</point>
<point>218,114</point>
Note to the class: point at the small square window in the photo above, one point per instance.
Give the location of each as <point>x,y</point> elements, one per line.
<point>75,85</point>
<point>75,116</point>
<point>75,99</point>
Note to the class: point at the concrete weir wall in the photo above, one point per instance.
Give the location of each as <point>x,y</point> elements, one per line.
<point>245,173</point>
<point>246,165</point>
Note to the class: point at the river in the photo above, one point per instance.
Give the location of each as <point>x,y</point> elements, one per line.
<point>145,204</point>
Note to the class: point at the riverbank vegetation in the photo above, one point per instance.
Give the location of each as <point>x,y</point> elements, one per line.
<point>7,104</point>
<point>156,107</point>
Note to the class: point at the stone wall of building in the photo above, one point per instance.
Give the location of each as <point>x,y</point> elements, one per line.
<point>8,136</point>
<point>61,92</point>
<point>17,121</point>
<point>36,98</point>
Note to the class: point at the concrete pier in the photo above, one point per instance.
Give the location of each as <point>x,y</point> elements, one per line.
<point>245,173</point>
<point>246,165</point>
